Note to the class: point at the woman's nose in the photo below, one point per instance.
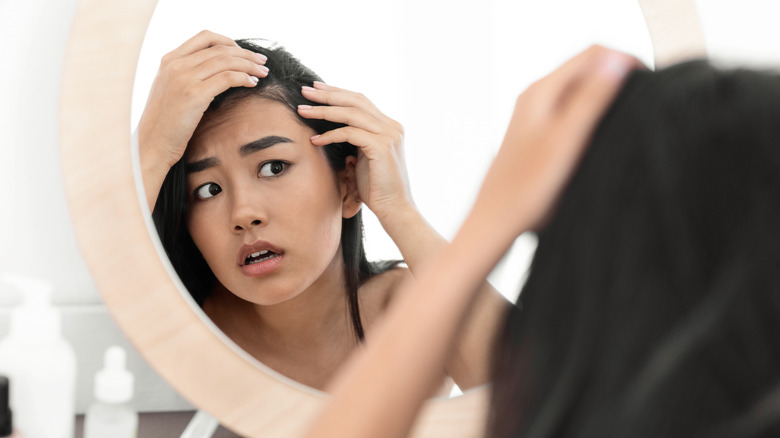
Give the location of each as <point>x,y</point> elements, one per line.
<point>247,212</point>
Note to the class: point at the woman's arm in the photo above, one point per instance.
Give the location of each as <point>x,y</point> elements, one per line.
<point>383,186</point>
<point>469,361</point>
<point>380,391</point>
<point>188,80</point>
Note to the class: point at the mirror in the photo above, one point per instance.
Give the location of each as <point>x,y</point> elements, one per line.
<point>136,284</point>
<point>440,69</point>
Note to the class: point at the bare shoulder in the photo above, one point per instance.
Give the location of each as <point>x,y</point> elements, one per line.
<point>377,293</point>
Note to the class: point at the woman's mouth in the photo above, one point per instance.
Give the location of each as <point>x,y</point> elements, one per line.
<point>261,263</point>
<point>259,256</point>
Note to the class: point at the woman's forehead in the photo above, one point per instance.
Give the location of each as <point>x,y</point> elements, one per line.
<point>246,121</point>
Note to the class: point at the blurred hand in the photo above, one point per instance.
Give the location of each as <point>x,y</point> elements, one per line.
<point>552,122</point>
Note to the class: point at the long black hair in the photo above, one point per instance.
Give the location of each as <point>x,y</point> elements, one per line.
<point>652,306</point>
<point>283,84</point>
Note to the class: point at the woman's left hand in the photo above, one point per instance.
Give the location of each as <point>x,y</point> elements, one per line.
<point>382,180</point>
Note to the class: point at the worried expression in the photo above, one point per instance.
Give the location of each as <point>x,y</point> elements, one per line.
<point>265,206</point>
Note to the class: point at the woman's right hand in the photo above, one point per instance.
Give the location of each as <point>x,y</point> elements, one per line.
<point>552,122</point>
<point>188,80</point>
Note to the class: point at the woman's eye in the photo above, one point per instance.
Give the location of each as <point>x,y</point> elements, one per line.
<point>272,168</point>
<point>207,190</point>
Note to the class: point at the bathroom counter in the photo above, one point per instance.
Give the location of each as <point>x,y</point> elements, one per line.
<point>161,425</point>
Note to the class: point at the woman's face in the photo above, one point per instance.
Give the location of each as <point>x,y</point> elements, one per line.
<point>265,207</point>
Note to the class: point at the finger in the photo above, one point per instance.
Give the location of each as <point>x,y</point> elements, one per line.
<point>577,65</point>
<point>205,55</point>
<point>202,40</point>
<point>323,86</point>
<point>548,93</point>
<point>222,81</point>
<point>348,134</point>
<point>343,98</point>
<point>347,115</point>
<point>336,97</point>
<point>224,62</point>
<point>586,104</point>
<point>371,108</point>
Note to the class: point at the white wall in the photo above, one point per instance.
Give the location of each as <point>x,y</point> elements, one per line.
<point>35,231</point>
<point>448,70</point>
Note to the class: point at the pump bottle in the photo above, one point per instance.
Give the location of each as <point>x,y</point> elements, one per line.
<point>40,363</point>
<point>111,416</point>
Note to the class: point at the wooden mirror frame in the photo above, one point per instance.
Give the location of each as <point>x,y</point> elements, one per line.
<point>108,216</point>
<point>109,221</point>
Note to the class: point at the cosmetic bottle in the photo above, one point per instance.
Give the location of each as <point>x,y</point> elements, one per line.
<point>6,417</point>
<point>112,416</point>
<point>39,362</point>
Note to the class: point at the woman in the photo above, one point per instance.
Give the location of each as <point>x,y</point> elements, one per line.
<point>260,186</point>
<point>651,308</point>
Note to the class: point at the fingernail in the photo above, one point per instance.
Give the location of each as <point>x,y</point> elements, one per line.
<point>304,107</point>
<point>306,88</point>
<point>314,137</point>
<point>614,65</point>
<point>254,79</point>
<point>320,83</point>
<point>261,57</point>
<point>264,69</point>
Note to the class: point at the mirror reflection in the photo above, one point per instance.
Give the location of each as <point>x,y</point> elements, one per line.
<point>260,205</point>
<point>260,175</point>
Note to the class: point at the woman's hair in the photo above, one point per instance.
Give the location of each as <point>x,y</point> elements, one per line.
<point>652,306</point>
<point>283,84</point>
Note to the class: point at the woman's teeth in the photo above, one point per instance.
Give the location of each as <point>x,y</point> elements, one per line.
<point>259,256</point>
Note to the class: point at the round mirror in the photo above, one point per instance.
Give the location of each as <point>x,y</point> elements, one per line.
<point>448,71</point>
<point>444,70</point>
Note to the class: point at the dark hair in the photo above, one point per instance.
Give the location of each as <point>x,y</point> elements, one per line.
<point>652,306</point>
<point>283,84</point>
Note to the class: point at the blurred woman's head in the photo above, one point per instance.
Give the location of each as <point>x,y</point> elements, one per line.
<point>652,307</point>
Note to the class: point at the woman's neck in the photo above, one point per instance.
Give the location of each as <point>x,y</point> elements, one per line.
<point>306,337</point>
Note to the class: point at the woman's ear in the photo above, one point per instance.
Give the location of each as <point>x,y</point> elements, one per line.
<point>350,199</point>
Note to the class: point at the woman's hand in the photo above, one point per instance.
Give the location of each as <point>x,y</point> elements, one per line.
<point>188,80</point>
<point>552,122</point>
<point>381,171</point>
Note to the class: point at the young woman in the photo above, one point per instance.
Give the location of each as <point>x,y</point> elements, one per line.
<point>666,321</point>
<point>651,308</point>
<point>257,172</point>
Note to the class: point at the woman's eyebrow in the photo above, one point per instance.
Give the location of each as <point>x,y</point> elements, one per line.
<point>263,143</point>
<point>249,148</point>
<point>200,165</point>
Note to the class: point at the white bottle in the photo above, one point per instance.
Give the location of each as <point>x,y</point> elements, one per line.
<point>112,416</point>
<point>40,363</point>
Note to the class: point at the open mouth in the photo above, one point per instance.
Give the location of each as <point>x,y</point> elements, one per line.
<point>259,256</point>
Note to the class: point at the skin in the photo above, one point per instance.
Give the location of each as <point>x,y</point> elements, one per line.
<point>285,194</point>
<point>294,319</point>
<point>378,393</point>
<point>287,316</point>
<point>187,81</point>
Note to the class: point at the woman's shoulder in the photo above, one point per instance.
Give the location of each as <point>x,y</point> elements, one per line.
<point>377,292</point>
